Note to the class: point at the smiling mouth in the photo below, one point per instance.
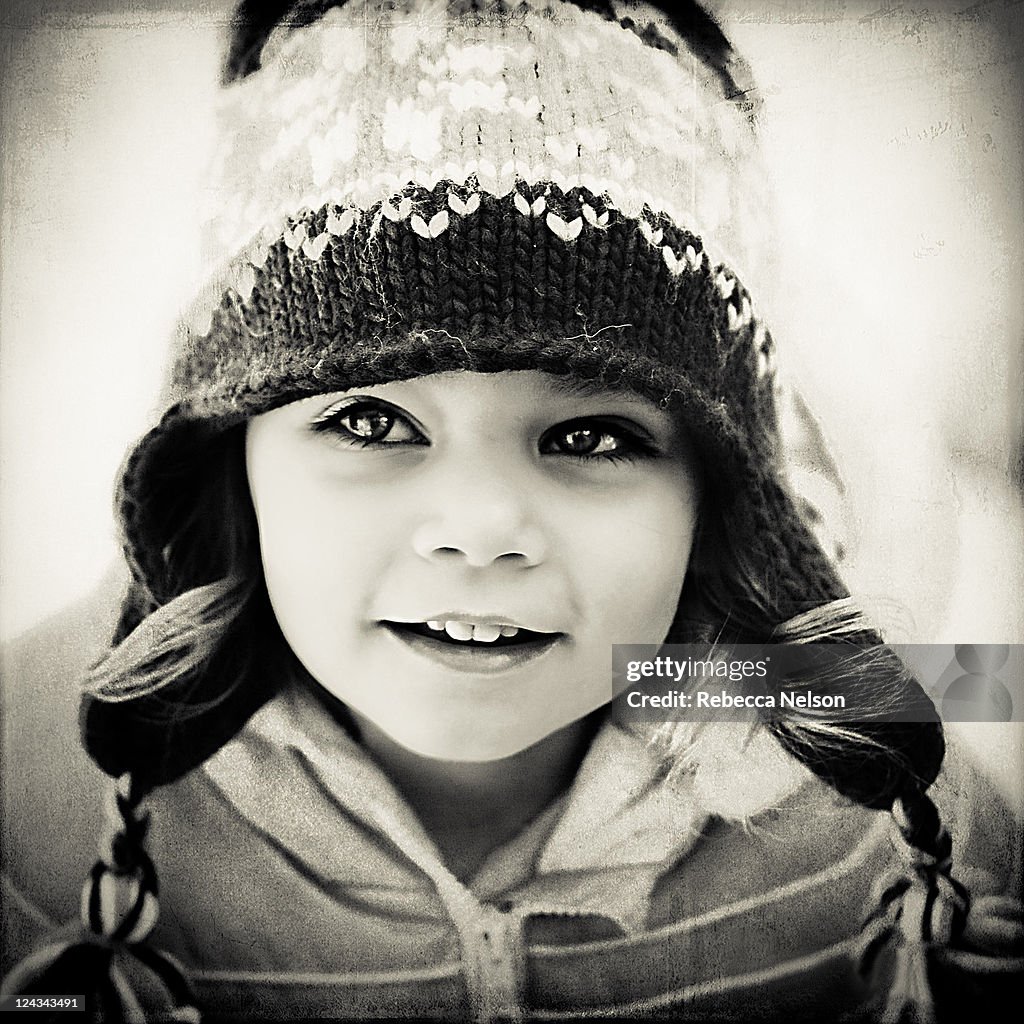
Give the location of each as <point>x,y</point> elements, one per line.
<point>487,637</point>
<point>512,647</point>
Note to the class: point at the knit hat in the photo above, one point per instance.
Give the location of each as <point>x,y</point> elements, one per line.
<point>410,188</point>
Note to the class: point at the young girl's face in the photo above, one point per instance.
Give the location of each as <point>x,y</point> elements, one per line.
<point>453,556</point>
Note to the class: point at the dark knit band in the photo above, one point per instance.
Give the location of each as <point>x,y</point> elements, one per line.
<point>602,300</point>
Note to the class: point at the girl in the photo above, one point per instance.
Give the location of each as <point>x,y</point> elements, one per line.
<point>472,392</point>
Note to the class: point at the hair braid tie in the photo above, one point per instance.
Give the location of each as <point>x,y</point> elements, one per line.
<point>104,956</point>
<point>920,906</point>
<point>986,933</point>
<point>950,949</point>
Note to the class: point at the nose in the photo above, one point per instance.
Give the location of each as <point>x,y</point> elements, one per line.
<point>479,525</point>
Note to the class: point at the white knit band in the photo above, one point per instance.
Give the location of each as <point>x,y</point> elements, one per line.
<point>366,101</point>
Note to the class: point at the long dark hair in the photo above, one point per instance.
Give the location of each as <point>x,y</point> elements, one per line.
<point>189,664</point>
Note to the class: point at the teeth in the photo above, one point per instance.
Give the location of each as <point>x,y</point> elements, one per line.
<point>459,630</point>
<point>486,633</point>
<point>483,632</point>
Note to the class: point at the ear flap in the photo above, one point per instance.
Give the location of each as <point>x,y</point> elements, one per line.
<point>183,502</point>
<point>191,540</point>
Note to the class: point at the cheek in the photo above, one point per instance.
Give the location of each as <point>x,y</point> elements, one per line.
<point>321,549</point>
<point>635,556</point>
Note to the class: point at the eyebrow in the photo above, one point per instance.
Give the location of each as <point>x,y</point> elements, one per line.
<point>584,387</point>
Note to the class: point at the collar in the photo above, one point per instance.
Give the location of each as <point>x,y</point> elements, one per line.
<point>600,849</point>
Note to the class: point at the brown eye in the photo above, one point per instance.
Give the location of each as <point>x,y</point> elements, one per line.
<point>368,422</point>
<point>368,425</point>
<point>582,441</point>
<point>602,439</point>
